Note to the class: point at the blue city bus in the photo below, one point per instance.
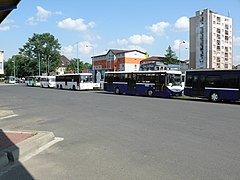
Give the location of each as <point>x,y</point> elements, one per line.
<point>149,83</point>
<point>215,85</point>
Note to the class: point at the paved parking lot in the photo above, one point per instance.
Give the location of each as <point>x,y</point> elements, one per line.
<point>109,136</point>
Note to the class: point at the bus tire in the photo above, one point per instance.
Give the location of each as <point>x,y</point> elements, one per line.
<point>214,97</point>
<point>117,90</point>
<point>60,86</point>
<point>150,93</point>
<point>74,88</point>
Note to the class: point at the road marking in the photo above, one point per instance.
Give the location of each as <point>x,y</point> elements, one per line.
<point>10,116</point>
<point>42,148</point>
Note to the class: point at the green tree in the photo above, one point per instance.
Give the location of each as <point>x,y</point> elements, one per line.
<point>171,57</point>
<point>8,68</point>
<point>147,55</point>
<point>21,66</point>
<point>44,48</point>
<point>85,66</point>
<point>72,66</point>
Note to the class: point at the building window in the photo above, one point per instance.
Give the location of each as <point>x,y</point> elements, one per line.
<point>218,20</point>
<point>226,49</point>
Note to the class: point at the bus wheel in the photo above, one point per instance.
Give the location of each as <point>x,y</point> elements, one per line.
<point>74,88</point>
<point>214,97</point>
<point>150,92</point>
<point>117,90</point>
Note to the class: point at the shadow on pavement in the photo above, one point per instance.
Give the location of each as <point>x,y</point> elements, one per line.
<point>174,98</point>
<point>10,166</point>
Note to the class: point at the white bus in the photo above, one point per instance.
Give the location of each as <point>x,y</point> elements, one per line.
<point>33,81</point>
<point>81,81</point>
<point>48,81</point>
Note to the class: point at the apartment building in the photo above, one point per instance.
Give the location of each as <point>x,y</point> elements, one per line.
<point>118,60</point>
<point>210,41</point>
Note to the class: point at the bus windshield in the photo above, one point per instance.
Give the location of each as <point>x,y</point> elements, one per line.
<point>174,79</point>
<point>86,78</point>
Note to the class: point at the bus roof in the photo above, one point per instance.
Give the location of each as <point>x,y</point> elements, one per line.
<point>86,74</point>
<point>213,70</point>
<point>146,72</point>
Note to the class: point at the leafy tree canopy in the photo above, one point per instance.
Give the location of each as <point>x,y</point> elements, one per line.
<point>22,66</point>
<point>72,66</point>
<point>44,48</point>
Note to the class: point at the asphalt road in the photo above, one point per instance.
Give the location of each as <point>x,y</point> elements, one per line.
<point>109,136</point>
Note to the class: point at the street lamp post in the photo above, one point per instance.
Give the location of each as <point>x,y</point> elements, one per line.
<point>14,69</point>
<point>39,63</point>
<point>182,42</point>
<point>77,59</point>
<point>91,47</point>
<point>48,64</point>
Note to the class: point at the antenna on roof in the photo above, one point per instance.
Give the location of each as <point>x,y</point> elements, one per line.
<point>229,13</point>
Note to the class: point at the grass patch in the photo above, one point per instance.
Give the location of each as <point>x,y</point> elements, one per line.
<point>185,97</point>
<point>34,133</point>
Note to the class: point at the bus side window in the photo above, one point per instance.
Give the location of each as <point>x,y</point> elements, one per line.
<point>213,81</point>
<point>189,80</point>
<point>230,81</point>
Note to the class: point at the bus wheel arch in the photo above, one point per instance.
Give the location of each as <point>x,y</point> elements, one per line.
<point>214,96</point>
<point>150,92</point>
<point>117,90</point>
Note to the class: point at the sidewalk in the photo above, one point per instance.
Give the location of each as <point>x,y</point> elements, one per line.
<point>17,145</point>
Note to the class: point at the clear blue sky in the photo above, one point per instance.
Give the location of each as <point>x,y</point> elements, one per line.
<point>149,26</point>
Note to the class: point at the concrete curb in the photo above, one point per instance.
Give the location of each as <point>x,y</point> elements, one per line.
<point>19,151</point>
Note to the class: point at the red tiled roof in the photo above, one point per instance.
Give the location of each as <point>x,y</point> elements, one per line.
<point>64,61</point>
<point>116,51</point>
<point>153,58</point>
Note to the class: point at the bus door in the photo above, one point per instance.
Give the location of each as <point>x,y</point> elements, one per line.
<point>109,78</point>
<point>132,79</point>
<point>160,82</point>
<point>198,85</point>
